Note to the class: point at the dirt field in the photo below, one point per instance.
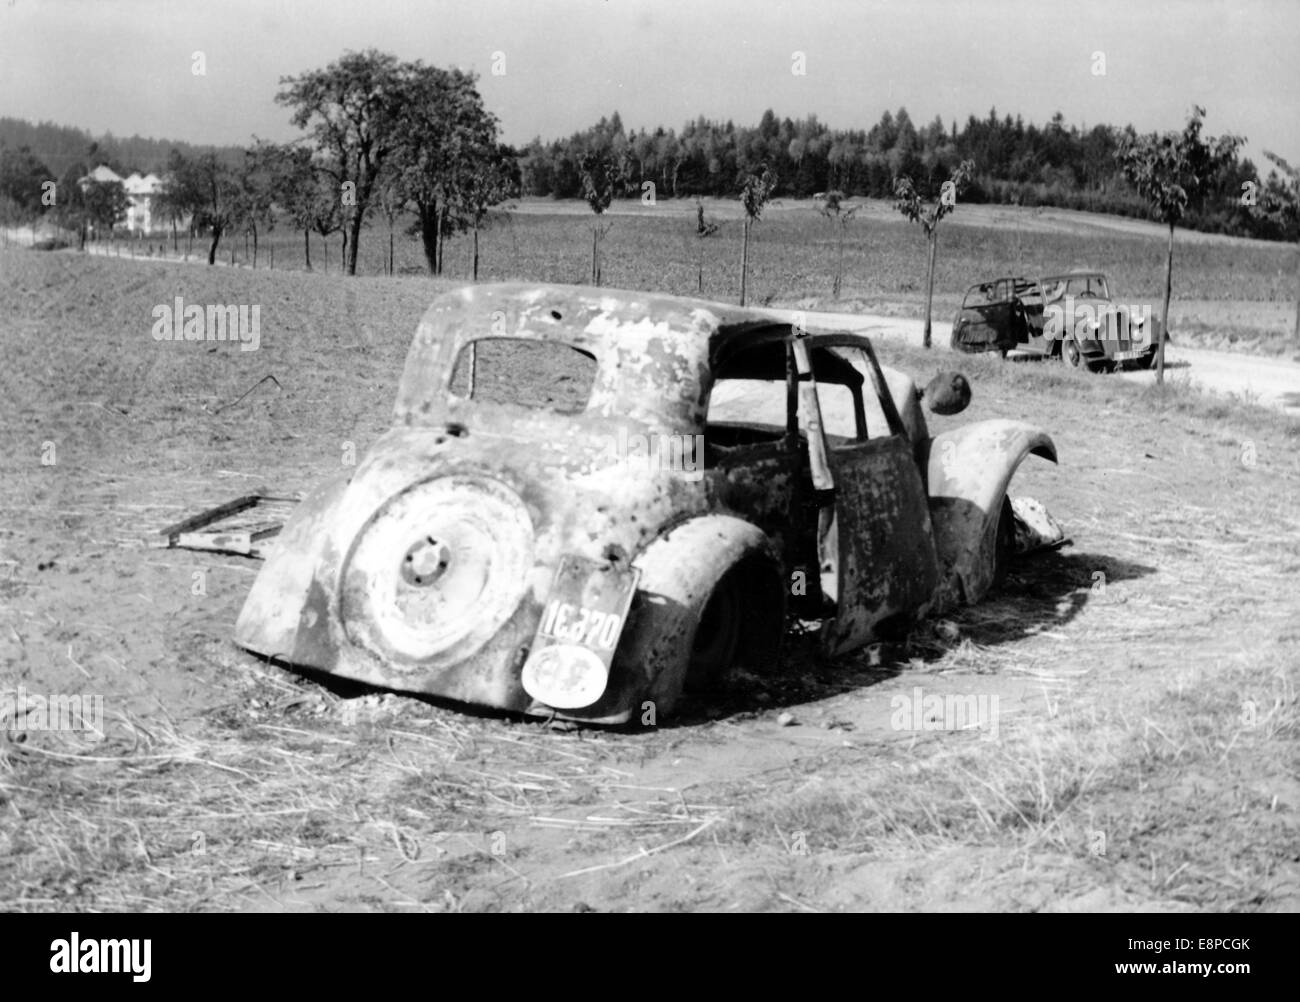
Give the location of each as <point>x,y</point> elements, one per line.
<point>1142,753</point>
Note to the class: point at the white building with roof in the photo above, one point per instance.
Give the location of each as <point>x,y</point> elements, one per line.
<point>141,189</point>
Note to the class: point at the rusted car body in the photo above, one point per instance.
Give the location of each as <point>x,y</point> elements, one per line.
<point>591,500</point>
<point>1071,316</point>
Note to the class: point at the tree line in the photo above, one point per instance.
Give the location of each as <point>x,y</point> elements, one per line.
<point>1017,163</point>
<point>412,145</point>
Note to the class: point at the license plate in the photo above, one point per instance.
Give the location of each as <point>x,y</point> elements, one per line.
<point>1128,356</point>
<point>582,621</point>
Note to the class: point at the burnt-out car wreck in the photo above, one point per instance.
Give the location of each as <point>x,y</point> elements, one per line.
<point>591,500</point>
<point>1071,316</point>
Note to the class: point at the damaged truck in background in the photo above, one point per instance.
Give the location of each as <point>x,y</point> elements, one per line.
<point>592,499</point>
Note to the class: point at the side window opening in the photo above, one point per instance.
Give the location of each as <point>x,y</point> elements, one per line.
<point>549,375</point>
<point>748,404</point>
<point>852,412</point>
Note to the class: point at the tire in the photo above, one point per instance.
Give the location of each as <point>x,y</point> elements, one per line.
<point>1147,361</point>
<point>717,600</point>
<point>717,638</point>
<point>1005,546</point>
<point>1071,353</point>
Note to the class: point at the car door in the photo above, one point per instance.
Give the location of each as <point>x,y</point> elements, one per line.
<point>875,540</point>
<point>1036,337</point>
<point>984,323</point>
<point>756,463</point>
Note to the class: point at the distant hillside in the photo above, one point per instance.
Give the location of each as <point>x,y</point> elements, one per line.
<point>61,146</point>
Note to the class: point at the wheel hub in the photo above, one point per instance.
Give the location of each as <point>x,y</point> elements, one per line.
<point>425,562</point>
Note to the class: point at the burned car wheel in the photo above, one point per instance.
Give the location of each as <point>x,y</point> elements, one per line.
<point>1005,545</point>
<point>437,570</point>
<point>717,637</point>
<point>714,599</point>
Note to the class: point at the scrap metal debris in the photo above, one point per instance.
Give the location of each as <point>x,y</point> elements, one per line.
<point>245,526</point>
<point>1035,527</point>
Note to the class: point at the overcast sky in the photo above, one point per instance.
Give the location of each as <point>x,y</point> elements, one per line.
<point>126,66</point>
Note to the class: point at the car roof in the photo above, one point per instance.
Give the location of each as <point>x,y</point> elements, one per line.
<point>659,349</point>
<point>592,314</point>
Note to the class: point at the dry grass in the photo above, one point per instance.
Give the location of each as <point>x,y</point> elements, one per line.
<point>267,793</point>
<point>1183,797</point>
<point>302,798</point>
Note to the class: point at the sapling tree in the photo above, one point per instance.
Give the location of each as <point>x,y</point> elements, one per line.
<point>601,174</point>
<point>755,192</point>
<point>917,209</point>
<point>833,208</point>
<point>704,228</point>
<point>1172,170</point>
<point>487,177</point>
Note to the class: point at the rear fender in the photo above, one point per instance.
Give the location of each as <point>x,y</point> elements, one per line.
<point>275,620</point>
<point>967,473</point>
<point>679,571</point>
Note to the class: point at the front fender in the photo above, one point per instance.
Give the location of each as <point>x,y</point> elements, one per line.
<point>967,473</point>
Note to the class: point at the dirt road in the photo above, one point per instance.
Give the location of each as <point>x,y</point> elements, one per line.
<point>1270,382</point>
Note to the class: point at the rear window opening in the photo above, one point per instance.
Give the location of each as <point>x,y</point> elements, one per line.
<point>549,375</point>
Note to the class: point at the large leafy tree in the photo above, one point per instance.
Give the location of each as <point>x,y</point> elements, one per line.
<point>70,206</point>
<point>1173,171</point>
<point>916,209</point>
<point>104,204</point>
<point>214,189</point>
<point>447,136</point>
<point>22,176</point>
<point>353,110</point>
<point>179,199</point>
